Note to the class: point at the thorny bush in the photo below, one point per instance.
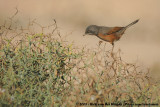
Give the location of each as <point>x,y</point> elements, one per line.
<point>37,69</point>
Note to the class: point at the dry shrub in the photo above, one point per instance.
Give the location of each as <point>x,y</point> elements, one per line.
<point>109,79</point>
<point>38,69</point>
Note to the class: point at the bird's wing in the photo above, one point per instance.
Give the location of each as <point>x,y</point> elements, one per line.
<point>114,30</point>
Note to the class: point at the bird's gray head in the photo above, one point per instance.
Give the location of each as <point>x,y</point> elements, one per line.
<point>92,30</point>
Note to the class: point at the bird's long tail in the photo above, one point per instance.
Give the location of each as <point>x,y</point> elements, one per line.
<point>131,24</point>
<point>121,31</point>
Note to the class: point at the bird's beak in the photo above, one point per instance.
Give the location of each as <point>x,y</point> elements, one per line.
<point>84,34</point>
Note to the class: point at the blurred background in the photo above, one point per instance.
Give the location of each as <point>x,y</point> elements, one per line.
<point>140,43</point>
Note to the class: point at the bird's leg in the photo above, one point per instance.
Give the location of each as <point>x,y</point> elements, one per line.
<point>112,49</point>
<point>112,46</point>
<point>104,47</point>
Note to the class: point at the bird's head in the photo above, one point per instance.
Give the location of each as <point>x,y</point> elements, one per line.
<point>91,30</point>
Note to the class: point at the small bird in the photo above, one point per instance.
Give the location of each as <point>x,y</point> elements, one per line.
<point>109,34</point>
